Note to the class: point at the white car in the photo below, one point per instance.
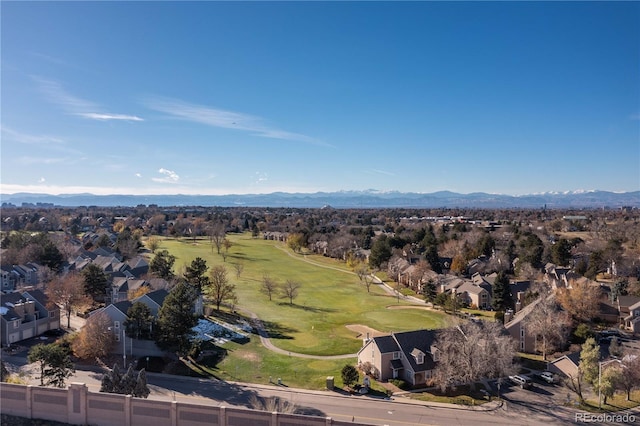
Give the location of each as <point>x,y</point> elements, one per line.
<point>548,377</point>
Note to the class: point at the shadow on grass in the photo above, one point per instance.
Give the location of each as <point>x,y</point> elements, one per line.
<point>277,331</point>
<point>307,308</point>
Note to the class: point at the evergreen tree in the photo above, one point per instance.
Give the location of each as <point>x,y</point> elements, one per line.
<point>138,324</point>
<point>4,373</point>
<point>125,384</point>
<point>380,252</point>
<point>141,389</point>
<point>501,292</point>
<point>176,319</point>
<point>195,274</point>
<point>54,362</point>
<point>95,282</point>
<point>162,265</point>
<point>349,375</point>
<point>589,357</point>
<point>430,292</point>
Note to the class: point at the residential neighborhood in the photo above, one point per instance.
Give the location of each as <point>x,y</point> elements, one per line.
<point>126,292</point>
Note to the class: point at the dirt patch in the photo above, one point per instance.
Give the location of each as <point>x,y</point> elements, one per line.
<point>249,356</point>
<point>363,330</point>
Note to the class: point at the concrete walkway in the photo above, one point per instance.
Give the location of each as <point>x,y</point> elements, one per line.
<point>266,342</point>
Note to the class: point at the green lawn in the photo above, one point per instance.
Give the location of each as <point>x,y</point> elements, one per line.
<point>330,298</point>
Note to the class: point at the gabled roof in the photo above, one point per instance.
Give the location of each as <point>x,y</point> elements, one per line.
<point>627,301</point>
<point>386,344</point>
<point>523,313</point>
<point>634,306</point>
<point>421,340</point>
<point>470,288</point>
<point>157,296</point>
<point>7,301</point>
<point>39,297</point>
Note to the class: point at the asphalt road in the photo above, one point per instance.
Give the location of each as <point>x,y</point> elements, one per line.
<point>543,405</point>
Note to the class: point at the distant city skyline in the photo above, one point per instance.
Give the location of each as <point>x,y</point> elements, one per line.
<point>215,98</point>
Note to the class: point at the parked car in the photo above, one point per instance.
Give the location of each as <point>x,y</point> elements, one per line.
<point>523,381</point>
<point>547,376</point>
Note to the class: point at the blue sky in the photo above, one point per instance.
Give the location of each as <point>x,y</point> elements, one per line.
<point>242,97</point>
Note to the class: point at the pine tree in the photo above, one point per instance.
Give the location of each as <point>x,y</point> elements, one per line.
<point>501,292</point>
<point>176,319</point>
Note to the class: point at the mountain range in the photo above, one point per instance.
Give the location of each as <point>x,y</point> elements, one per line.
<point>344,199</point>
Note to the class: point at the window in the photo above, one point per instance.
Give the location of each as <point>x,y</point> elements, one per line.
<point>52,314</point>
<point>420,359</point>
<point>396,355</point>
<point>522,333</point>
<point>16,324</point>
<point>116,325</point>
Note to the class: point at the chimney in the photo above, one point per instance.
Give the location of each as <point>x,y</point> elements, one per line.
<point>18,307</point>
<point>508,316</point>
<point>518,306</point>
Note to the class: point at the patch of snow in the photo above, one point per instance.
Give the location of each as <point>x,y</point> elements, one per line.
<point>3,310</point>
<point>208,330</point>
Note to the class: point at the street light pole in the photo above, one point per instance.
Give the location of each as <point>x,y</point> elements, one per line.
<point>124,350</point>
<point>600,364</point>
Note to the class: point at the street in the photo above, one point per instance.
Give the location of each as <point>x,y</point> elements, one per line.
<point>543,404</point>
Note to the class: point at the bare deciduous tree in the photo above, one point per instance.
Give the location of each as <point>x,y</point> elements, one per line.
<point>549,324</point>
<point>290,290</point>
<point>219,289</point>
<point>239,267</point>
<point>269,286</point>
<point>581,300</point>
<point>68,293</point>
<point>216,236</point>
<point>471,351</point>
<point>95,339</point>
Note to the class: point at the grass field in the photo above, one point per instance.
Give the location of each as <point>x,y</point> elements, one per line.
<point>331,297</point>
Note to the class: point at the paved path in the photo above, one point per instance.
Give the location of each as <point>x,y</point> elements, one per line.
<point>266,342</point>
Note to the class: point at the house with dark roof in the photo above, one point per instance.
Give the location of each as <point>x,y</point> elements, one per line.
<point>410,356</point>
<point>26,314</point>
<point>8,279</point>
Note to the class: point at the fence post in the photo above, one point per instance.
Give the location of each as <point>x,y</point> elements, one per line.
<point>127,410</point>
<point>30,401</point>
<point>77,403</point>
<point>223,416</point>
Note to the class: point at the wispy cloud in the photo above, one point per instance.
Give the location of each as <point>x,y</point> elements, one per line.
<point>30,139</point>
<point>215,117</point>
<point>138,175</point>
<point>41,160</point>
<point>71,104</point>
<point>261,177</point>
<point>381,172</point>
<point>106,117</point>
<point>169,176</point>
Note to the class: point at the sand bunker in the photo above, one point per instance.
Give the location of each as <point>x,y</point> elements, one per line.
<point>362,331</point>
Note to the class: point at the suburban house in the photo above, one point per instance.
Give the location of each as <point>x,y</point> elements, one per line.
<point>624,303</point>
<point>632,321</point>
<point>7,279</point>
<point>410,356</point>
<point>25,315</point>
<point>476,292</point>
<point>515,324</point>
<point>121,286</point>
<point>117,312</point>
<point>566,366</point>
